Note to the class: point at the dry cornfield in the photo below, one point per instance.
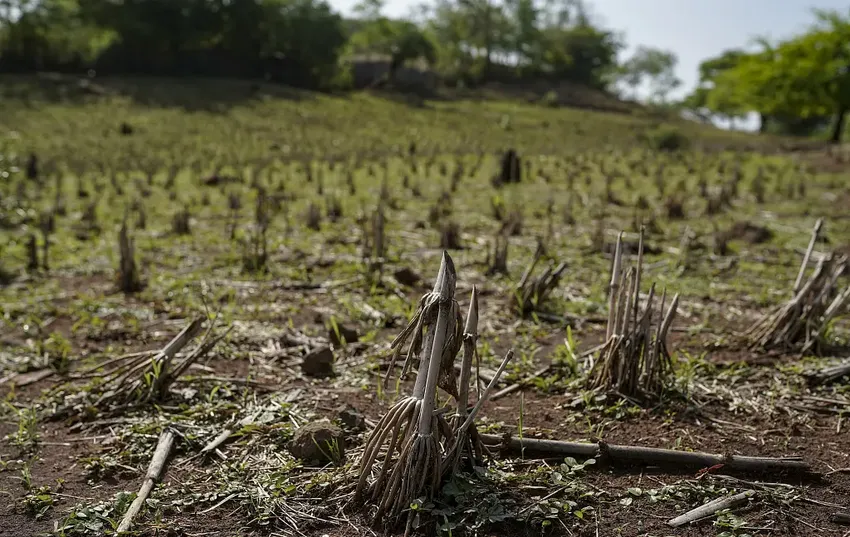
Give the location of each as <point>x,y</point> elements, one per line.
<point>273,316</point>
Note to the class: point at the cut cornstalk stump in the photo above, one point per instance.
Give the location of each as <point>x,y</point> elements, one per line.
<point>413,448</point>
<point>634,360</point>
<point>532,290</point>
<point>129,280</point>
<point>466,444</point>
<point>802,323</point>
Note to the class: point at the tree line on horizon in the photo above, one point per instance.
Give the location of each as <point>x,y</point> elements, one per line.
<point>798,86</point>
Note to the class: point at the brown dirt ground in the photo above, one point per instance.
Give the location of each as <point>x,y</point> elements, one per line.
<point>545,416</point>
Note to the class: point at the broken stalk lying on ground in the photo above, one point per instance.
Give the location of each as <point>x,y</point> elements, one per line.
<point>710,508</point>
<point>139,378</point>
<point>157,465</point>
<point>640,455</point>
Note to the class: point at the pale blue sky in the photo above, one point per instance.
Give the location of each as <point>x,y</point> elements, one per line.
<point>694,29</point>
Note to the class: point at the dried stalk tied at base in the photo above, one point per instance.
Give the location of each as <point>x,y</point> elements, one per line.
<point>634,360</point>
<point>531,292</point>
<point>411,426</point>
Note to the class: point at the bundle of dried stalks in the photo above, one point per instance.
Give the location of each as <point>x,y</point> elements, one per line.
<point>531,291</point>
<point>802,323</point>
<point>413,446</point>
<point>140,378</point>
<point>634,361</point>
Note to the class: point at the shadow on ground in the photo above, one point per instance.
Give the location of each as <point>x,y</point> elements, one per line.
<point>192,95</point>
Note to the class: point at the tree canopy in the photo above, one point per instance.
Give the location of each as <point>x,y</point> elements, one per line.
<point>301,42</point>
<point>798,83</point>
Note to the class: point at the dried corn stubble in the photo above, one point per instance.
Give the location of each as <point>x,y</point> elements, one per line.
<point>634,360</point>
<point>145,377</point>
<point>802,323</point>
<point>129,280</point>
<point>470,444</point>
<point>411,422</point>
<point>415,446</point>
<point>465,442</point>
<point>531,291</point>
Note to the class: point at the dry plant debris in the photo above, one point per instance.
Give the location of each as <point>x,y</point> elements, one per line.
<point>143,377</point>
<point>802,323</point>
<point>532,290</point>
<point>240,414</point>
<point>634,361</point>
<point>413,445</point>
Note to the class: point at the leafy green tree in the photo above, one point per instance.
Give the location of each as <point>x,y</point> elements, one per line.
<point>817,67</point>
<point>525,35</point>
<point>400,41</point>
<point>583,54</point>
<point>655,66</point>
<point>796,82</point>
<point>707,100</point>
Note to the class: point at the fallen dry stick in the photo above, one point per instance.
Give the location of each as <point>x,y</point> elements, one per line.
<point>160,455</point>
<point>535,375</point>
<point>830,374</point>
<point>531,447</point>
<point>840,518</point>
<point>710,508</point>
<point>227,432</point>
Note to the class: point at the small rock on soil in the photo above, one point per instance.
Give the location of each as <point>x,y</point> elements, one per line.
<point>406,276</point>
<point>319,442</point>
<point>319,363</point>
<point>350,418</point>
<point>350,335</point>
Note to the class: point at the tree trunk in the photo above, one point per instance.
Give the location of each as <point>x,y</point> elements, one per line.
<point>762,123</point>
<point>838,129</point>
<point>395,64</point>
<point>488,42</point>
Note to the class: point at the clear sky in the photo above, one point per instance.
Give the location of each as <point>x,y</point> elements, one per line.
<point>693,29</point>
